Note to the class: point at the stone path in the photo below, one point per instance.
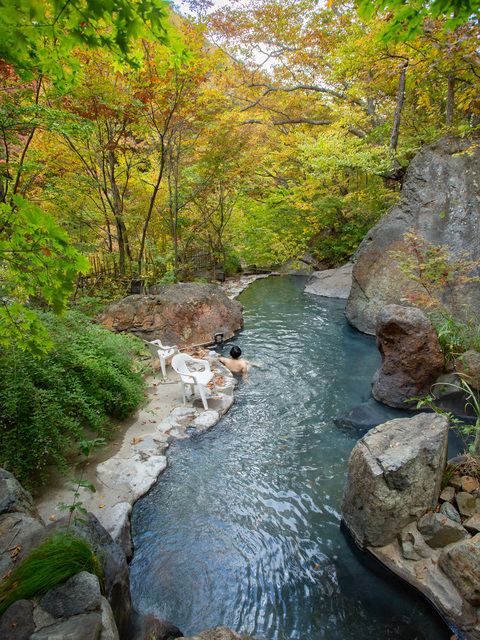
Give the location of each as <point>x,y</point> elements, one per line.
<point>234,286</point>
<point>136,458</point>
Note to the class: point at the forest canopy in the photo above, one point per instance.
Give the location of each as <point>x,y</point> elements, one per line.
<point>152,143</point>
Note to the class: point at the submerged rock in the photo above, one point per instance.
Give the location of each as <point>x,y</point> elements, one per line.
<point>394,477</point>
<point>219,633</point>
<point>360,419</point>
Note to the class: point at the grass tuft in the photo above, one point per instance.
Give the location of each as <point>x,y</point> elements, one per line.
<point>54,561</point>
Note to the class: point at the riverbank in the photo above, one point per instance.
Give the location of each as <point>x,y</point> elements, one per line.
<point>129,464</point>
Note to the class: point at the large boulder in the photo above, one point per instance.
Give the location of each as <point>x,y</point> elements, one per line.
<point>117,576</point>
<point>440,199</point>
<point>181,314</point>
<point>412,358</point>
<point>394,477</point>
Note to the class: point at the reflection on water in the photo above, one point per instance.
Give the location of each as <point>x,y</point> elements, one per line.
<point>243,528</point>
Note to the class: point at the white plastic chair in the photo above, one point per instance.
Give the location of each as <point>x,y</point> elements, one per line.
<point>160,351</point>
<point>193,371</point>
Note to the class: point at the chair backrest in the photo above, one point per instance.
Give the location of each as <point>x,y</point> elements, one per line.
<point>179,363</point>
<point>153,348</point>
<point>159,344</point>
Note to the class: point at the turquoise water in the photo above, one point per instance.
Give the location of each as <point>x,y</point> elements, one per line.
<point>243,528</point>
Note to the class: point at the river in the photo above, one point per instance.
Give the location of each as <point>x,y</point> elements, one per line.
<point>243,528</point>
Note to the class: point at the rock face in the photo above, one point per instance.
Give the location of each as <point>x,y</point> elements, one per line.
<point>394,477</point>
<point>412,358</point>
<point>441,199</point>
<point>181,314</point>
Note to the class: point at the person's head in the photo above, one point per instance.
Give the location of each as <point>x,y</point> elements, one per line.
<point>235,352</point>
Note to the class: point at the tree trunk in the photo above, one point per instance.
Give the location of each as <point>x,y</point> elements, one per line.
<point>117,206</point>
<point>450,98</point>
<point>153,197</point>
<point>398,109</point>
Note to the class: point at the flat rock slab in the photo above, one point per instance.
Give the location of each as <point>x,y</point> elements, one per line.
<point>426,576</point>
<point>331,283</point>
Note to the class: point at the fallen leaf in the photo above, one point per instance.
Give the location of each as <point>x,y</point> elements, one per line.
<point>168,431</point>
<point>100,506</point>
<point>316,566</point>
<point>52,518</point>
<point>15,552</point>
<point>14,624</point>
<point>137,440</point>
<point>132,471</point>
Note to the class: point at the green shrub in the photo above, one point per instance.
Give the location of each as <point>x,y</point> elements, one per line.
<point>54,561</point>
<point>232,263</point>
<point>46,403</point>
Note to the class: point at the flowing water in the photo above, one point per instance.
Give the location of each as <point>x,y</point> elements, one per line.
<point>243,528</point>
